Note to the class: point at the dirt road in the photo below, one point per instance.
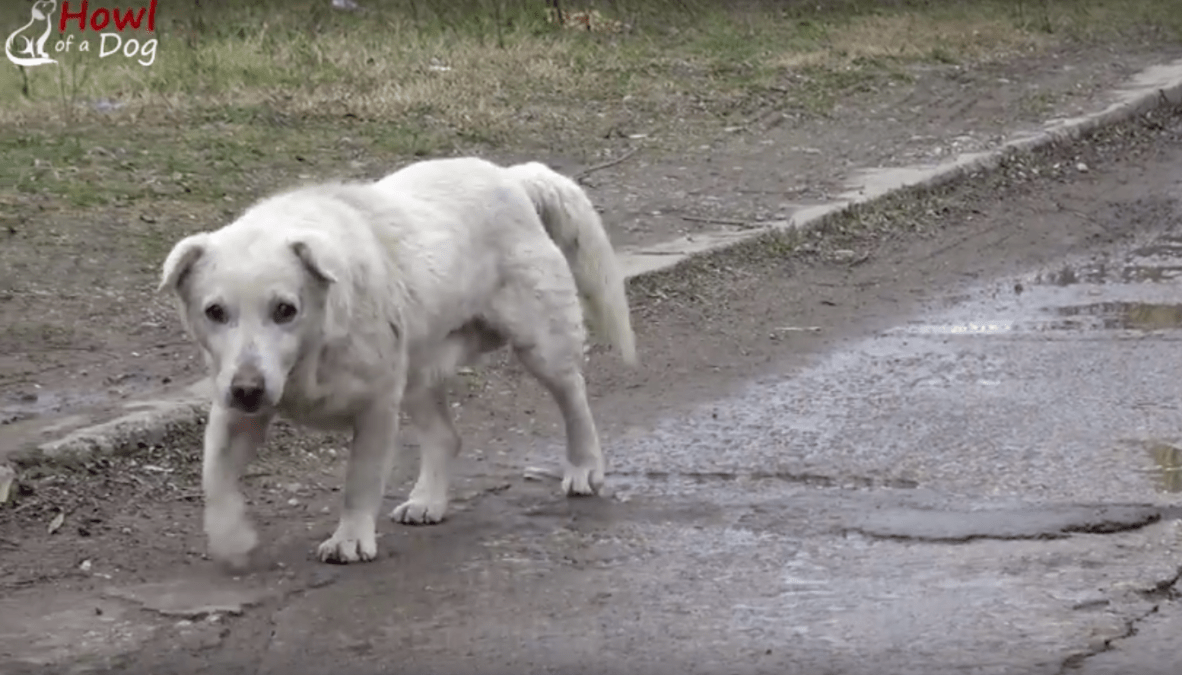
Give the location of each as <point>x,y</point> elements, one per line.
<point>942,437</point>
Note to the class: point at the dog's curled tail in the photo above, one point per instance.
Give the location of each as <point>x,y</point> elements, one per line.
<point>571,221</point>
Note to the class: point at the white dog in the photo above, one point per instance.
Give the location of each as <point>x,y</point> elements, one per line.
<point>337,305</point>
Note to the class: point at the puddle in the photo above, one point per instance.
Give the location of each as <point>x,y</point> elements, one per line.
<point>1158,261</point>
<point>1137,291</point>
<point>1123,315</point>
<point>1069,276</point>
<point>1166,246</point>
<point>1103,273</point>
<point>1114,315</point>
<point>36,403</point>
<point>966,328</point>
<point>41,402</point>
<point>1168,459</point>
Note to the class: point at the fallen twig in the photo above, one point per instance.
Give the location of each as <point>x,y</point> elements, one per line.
<point>714,221</point>
<point>605,165</point>
<point>745,224</point>
<point>541,473</point>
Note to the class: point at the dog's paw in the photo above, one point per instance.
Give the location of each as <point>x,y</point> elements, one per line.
<point>234,553</point>
<point>419,512</point>
<point>231,539</point>
<point>581,481</point>
<point>349,544</point>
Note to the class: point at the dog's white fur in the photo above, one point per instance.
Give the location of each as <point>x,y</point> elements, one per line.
<point>337,305</point>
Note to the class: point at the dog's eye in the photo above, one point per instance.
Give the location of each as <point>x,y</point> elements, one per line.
<point>216,313</point>
<point>284,312</point>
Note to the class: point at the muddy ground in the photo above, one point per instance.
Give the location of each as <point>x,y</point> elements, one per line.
<point>704,327</point>
<point>85,329</point>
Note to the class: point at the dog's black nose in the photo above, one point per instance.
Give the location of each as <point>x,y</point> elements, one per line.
<point>247,390</point>
<point>247,397</point>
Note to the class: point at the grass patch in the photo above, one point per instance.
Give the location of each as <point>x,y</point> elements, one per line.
<point>239,97</point>
<point>464,73</point>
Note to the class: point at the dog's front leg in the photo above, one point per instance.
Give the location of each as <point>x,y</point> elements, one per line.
<point>231,442</point>
<point>439,443</point>
<point>370,461</point>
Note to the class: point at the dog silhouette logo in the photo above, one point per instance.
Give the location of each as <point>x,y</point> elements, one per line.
<point>31,50</point>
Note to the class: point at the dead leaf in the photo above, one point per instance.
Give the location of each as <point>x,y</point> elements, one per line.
<point>56,523</point>
<point>7,478</point>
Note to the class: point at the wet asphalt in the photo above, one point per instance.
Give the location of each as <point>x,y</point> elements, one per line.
<point>989,484</point>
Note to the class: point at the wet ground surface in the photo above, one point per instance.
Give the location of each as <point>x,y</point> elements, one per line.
<point>947,447</point>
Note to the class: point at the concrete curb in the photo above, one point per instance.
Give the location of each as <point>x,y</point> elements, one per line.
<point>152,422</point>
<point>1150,89</point>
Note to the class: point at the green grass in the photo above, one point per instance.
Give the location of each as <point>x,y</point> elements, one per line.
<point>306,59</point>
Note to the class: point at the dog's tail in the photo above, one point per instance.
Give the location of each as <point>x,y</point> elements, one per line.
<point>571,221</point>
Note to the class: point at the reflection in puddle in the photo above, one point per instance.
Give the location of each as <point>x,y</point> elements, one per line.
<point>1100,274</point>
<point>1067,276</point>
<point>967,328</point>
<point>1166,246</point>
<point>1169,464</point>
<point>1114,315</point>
<point>1158,273</point>
<point>1127,315</point>
<point>1156,262</point>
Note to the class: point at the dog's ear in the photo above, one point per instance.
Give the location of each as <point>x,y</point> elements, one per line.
<point>324,263</point>
<point>317,258</point>
<point>180,260</point>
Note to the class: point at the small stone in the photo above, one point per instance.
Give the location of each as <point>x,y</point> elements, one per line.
<point>1081,167</point>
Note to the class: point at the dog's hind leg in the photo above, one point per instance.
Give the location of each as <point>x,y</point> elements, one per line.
<point>231,442</point>
<point>439,443</point>
<point>559,372</point>
<point>541,316</point>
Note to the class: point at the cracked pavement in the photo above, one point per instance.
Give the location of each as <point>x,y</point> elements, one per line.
<point>972,467</point>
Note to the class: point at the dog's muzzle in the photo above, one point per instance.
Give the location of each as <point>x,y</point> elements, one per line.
<point>248,389</point>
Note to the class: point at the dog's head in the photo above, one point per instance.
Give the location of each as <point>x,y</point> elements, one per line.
<point>43,9</point>
<point>256,302</point>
